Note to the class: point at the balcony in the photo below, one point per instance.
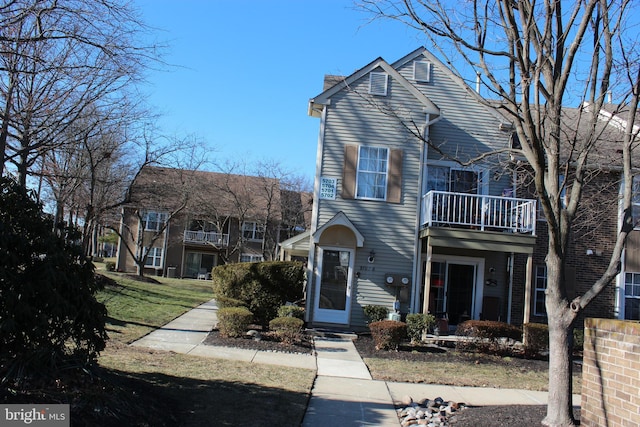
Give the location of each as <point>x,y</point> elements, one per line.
<point>211,238</point>
<point>478,212</point>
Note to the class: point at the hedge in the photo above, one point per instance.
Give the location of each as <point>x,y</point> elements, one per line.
<point>262,286</point>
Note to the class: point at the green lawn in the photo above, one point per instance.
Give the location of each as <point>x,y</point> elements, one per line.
<point>136,308</point>
<point>167,389</point>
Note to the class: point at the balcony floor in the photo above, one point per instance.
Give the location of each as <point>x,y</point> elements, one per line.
<point>495,241</point>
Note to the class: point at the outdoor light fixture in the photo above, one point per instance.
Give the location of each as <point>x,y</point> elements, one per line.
<point>372,256</point>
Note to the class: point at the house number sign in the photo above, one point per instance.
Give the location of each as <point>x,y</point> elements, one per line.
<point>327,188</point>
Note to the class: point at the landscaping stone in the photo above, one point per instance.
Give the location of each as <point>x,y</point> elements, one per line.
<point>427,412</point>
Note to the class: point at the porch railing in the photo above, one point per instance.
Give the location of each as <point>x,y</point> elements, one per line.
<point>441,208</point>
<point>206,237</point>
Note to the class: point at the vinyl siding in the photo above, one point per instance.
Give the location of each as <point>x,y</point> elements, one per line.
<point>388,228</point>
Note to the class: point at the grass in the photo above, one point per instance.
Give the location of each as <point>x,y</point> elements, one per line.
<point>193,391</point>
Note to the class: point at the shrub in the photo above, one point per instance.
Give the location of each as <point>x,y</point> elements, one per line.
<point>110,266</point>
<point>287,329</point>
<point>388,334</point>
<point>262,286</point>
<point>375,313</point>
<point>49,315</point>
<point>291,311</point>
<point>536,338</point>
<point>233,321</point>
<point>418,324</point>
<point>487,336</point>
<point>224,302</point>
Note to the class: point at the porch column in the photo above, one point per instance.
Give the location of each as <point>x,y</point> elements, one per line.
<point>427,278</point>
<point>527,289</point>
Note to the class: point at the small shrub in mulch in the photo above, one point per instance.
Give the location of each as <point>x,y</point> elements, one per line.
<point>388,334</point>
<point>287,329</point>
<point>291,311</point>
<point>375,313</point>
<point>418,324</point>
<point>536,338</point>
<point>487,336</point>
<point>233,321</point>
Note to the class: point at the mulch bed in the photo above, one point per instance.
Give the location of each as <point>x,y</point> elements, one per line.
<point>267,342</point>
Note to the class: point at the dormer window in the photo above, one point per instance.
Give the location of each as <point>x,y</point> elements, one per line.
<point>422,71</point>
<point>378,83</point>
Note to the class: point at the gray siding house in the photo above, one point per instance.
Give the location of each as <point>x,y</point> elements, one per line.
<point>402,223</point>
<point>410,212</point>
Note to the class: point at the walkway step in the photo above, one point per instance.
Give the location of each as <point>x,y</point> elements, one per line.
<point>338,357</point>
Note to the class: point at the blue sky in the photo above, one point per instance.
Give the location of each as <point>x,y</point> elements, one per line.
<point>244,70</point>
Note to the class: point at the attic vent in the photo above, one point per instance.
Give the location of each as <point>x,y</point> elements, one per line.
<point>422,71</point>
<point>378,84</point>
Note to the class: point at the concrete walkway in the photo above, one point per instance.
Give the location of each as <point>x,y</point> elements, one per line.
<point>343,392</point>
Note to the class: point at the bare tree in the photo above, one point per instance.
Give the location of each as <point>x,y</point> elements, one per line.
<point>534,58</point>
<point>58,58</point>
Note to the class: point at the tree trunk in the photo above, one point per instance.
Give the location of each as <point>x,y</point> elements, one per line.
<point>560,320</point>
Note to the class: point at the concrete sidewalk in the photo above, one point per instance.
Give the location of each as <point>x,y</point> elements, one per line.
<point>344,392</point>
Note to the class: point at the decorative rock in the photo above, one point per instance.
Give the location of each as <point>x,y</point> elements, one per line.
<point>254,334</point>
<point>426,412</point>
<point>407,400</point>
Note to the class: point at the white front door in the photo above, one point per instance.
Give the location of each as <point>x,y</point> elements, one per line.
<point>333,290</point>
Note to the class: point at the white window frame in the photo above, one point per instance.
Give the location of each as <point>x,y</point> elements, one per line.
<point>481,172</point>
<point>254,229</point>
<point>422,75</point>
<point>540,289</point>
<point>364,170</point>
<point>631,291</point>
<point>160,218</point>
<point>154,257</point>
<point>250,258</point>
<point>378,86</point>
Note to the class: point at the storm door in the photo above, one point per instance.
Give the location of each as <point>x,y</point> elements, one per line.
<point>333,294</point>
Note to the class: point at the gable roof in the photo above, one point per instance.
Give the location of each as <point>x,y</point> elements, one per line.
<point>205,192</point>
<point>317,104</point>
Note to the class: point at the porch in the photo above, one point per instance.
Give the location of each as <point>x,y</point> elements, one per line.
<point>478,212</point>
<point>211,238</point>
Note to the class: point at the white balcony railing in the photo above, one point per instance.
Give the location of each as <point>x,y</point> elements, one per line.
<point>206,238</point>
<point>441,208</point>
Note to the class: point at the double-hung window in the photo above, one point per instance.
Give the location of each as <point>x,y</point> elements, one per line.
<point>371,179</point>
<point>632,296</point>
<point>540,291</point>
<point>154,221</point>
<point>154,257</point>
<point>252,230</point>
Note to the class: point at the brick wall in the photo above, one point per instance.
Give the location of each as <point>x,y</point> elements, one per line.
<point>595,229</point>
<point>611,373</point>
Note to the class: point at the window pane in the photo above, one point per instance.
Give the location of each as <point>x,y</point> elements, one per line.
<point>372,172</point>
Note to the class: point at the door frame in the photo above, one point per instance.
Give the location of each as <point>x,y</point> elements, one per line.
<point>478,287</point>
<point>321,315</point>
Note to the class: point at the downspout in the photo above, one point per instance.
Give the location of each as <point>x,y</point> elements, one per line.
<point>415,304</point>
<point>310,282</point>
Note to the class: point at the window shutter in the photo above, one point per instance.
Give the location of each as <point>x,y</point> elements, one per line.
<point>349,171</point>
<point>378,84</point>
<point>394,185</point>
